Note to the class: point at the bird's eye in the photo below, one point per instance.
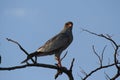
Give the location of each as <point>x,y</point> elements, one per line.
<point>67,24</point>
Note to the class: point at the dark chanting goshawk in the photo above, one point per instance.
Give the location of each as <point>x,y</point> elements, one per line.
<point>55,45</point>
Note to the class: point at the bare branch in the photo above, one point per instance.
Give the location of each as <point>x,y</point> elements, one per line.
<point>72,65</point>
<point>57,74</point>
<point>83,72</point>
<point>63,69</point>
<point>116,48</point>
<point>103,52</point>
<point>18,45</point>
<point>116,76</point>
<point>20,48</point>
<point>90,32</point>
<point>107,76</point>
<point>64,55</point>
<point>97,69</point>
<point>100,60</point>
<point>29,65</point>
<point>101,35</point>
<point>68,72</point>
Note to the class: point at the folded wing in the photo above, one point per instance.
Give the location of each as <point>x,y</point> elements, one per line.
<point>57,42</point>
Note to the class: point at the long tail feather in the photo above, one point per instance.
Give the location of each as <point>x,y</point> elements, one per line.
<point>30,56</point>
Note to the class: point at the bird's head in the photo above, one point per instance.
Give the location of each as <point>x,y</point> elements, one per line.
<point>67,27</point>
<point>68,24</point>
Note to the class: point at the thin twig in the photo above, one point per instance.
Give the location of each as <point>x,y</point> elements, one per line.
<point>20,48</point>
<point>83,72</point>
<point>72,64</point>
<point>116,48</point>
<point>103,52</point>
<point>107,76</point>
<point>64,55</point>
<point>100,60</point>
<point>101,35</point>
<point>97,69</point>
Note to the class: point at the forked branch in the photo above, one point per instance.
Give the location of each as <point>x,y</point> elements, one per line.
<point>116,61</point>
<point>68,72</point>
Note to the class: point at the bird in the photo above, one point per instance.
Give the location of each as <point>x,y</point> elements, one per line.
<point>56,45</point>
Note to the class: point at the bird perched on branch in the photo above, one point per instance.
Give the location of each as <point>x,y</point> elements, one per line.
<point>55,45</point>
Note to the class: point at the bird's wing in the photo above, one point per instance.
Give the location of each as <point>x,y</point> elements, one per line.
<point>59,41</point>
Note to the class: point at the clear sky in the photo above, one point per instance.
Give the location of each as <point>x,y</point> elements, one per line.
<point>33,22</point>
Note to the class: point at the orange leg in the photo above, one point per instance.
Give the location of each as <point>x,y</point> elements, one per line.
<point>59,65</point>
<point>59,62</point>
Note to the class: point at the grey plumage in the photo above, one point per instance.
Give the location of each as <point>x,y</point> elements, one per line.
<point>56,44</point>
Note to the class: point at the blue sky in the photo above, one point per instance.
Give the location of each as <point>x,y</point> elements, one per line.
<point>33,22</point>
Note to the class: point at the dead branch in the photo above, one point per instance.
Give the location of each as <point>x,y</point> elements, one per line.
<point>100,57</point>
<point>83,72</point>
<point>107,76</point>
<point>116,48</point>
<point>97,69</point>
<point>72,65</point>
<point>20,48</point>
<point>68,72</point>
<point>64,55</point>
<point>62,69</point>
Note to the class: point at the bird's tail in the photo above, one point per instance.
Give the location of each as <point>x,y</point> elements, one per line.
<point>30,56</point>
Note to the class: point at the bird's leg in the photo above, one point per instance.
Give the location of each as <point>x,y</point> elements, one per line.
<point>59,65</point>
<point>57,57</point>
<point>59,62</point>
